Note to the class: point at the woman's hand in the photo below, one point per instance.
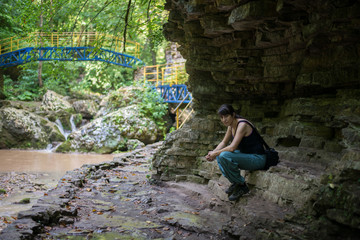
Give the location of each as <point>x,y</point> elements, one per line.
<point>210,156</point>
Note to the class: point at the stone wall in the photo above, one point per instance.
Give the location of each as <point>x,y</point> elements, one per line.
<point>291,67</point>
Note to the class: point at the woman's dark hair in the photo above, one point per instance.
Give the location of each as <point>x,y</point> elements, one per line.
<point>226,109</point>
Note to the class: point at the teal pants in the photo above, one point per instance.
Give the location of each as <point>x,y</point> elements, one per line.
<point>230,164</point>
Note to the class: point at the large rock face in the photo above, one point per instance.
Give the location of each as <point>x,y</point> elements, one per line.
<point>292,68</point>
<point>55,108</point>
<point>122,97</point>
<point>22,129</point>
<point>55,102</point>
<point>122,123</point>
<point>87,108</point>
<point>111,132</point>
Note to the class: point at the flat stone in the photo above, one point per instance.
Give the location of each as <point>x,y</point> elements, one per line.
<point>125,223</point>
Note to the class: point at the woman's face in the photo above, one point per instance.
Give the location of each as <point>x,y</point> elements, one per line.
<point>227,119</point>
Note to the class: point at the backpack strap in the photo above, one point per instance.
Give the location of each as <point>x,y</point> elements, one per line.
<point>254,128</point>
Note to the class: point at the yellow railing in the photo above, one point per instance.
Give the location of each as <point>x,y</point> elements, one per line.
<point>70,39</point>
<point>165,74</point>
<point>179,115</point>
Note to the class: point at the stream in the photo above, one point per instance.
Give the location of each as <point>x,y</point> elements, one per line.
<point>30,174</point>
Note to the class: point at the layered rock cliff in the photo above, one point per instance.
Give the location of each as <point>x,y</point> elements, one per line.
<point>292,68</point>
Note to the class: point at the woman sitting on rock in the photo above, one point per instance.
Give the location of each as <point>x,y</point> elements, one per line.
<point>245,151</point>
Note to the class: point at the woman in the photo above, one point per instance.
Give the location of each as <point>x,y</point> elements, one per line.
<point>245,151</point>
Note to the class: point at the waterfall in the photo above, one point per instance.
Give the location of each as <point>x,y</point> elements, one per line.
<point>61,129</point>
<point>51,147</point>
<point>73,126</point>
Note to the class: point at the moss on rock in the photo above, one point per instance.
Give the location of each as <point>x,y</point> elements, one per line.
<point>22,129</point>
<point>64,147</point>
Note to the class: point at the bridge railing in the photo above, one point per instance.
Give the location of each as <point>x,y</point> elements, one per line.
<point>183,112</point>
<point>165,74</point>
<point>70,39</point>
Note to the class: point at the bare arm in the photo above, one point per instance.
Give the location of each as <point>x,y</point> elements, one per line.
<point>225,140</point>
<point>240,133</point>
<point>221,145</point>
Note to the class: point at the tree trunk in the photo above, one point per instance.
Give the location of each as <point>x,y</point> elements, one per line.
<point>39,74</point>
<point>40,62</point>
<point>126,24</point>
<point>151,45</point>
<point>150,34</point>
<point>2,94</point>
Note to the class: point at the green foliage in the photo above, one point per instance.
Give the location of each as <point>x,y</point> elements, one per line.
<point>21,90</point>
<point>144,25</point>
<point>57,76</point>
<point>172,129</point>
<point>153,106</point>
<point>102,77</point>
<point>61,76</point>
<point>149,101</point>
<point>10,18</point>
<point>146,17</point>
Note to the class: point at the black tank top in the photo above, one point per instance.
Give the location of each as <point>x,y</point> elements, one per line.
<point>251,143</point>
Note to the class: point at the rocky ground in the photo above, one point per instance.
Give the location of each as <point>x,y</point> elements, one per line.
<point>118,200</point>
<point>19,191</point>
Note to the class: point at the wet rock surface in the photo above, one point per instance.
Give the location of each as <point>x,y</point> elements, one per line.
<point>21,188</point>
<point>117,123</point>
<point>23,129</point>
<point>119,199</point>
<point>55,102</point>
<point>110,133</point>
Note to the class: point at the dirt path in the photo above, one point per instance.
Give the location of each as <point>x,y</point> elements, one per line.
<point>117,200</point>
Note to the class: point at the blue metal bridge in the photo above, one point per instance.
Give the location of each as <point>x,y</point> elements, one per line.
<point>174,93</point>
<point>30,54</point>
<point>85,46</point>
<point>69,46</point>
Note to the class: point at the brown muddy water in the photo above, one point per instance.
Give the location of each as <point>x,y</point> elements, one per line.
<point>46,162</point>
<point>29,174</point>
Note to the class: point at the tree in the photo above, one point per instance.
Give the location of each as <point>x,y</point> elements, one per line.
<point>2,94</point>
<point>137,20</point>
<point>40,62</point>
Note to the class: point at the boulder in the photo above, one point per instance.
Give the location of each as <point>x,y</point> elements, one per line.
<point>133,144</point>
<point>87,108</point>
<point>56,108</point>
<point>55,102</point>
<point>28,106</point>
<point>110,133</point>
<point>122,97</point>
<point>23,129</point>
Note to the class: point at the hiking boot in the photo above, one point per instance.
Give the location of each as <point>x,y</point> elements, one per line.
<point>231,189</point>
<point>239,191</point>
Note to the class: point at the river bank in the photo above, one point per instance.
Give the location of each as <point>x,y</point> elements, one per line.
<point>118,199</point>
<point>25,176</point>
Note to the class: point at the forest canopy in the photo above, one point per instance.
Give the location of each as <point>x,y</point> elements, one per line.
<point>135,20</point>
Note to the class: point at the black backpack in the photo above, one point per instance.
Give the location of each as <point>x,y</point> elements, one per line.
<point>272,156</point>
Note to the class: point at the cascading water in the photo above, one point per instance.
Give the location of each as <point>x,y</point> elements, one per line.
<point>73,126</point>
<point>52,146</point>
<point>61,129</point>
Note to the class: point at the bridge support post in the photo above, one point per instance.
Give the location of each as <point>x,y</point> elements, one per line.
<point>177,118</point>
